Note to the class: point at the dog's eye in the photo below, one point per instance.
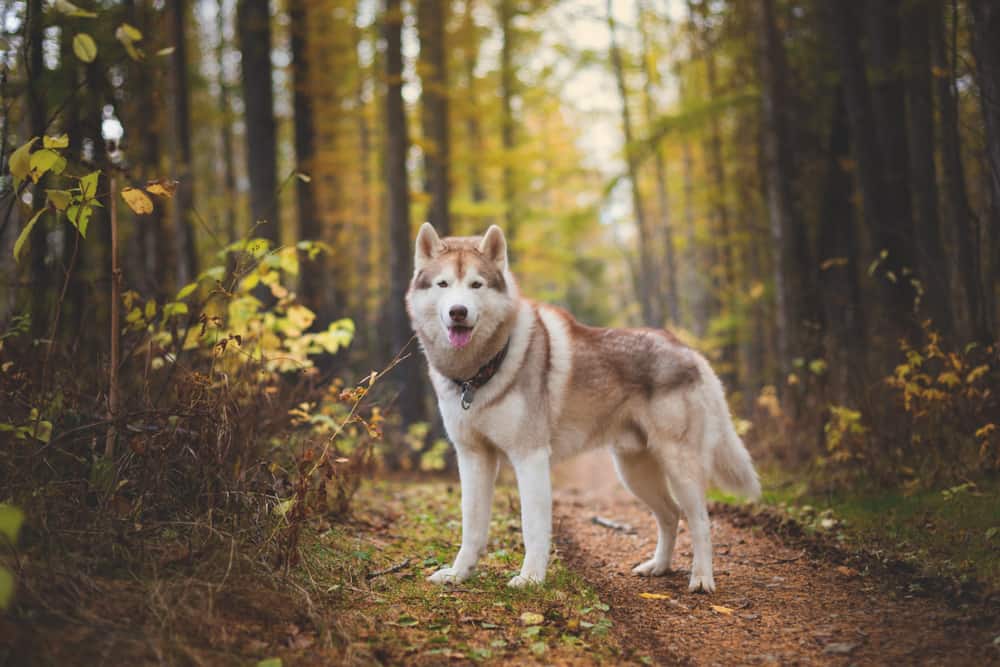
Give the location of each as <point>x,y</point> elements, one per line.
<point>442,283</point>
<point>476,284</point>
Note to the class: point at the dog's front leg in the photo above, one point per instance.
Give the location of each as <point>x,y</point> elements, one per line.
<point>477,469</point>
<point>535,487</point>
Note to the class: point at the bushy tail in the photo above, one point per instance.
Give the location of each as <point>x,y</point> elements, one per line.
<point>732,468</point>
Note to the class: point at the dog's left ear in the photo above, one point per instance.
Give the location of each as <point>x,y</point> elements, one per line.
<point>494,246</point>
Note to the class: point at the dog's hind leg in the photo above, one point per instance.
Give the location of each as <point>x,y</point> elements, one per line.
<point>642,474</point>
<point>689,491</point>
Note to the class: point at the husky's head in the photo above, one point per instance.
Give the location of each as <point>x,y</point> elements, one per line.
<point>462,297</point>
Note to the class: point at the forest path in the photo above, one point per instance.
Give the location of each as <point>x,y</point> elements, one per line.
<point>774,604</point>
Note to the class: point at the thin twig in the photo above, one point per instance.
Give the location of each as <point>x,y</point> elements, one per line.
<point>389,570</point>
<point>613,525</point>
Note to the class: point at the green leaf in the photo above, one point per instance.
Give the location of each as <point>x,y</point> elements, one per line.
<point>23,237</point>
<point>11,519</point>
<point>84,47</point>
<point>79,216</point>
<point>186,291</point>
<point>20,161</point>
<point>44,160</point>
<point>59,199</point>
<point>88,185</point>
<point>6,587</point>
<point>270,662</point>
<point>284,507</point>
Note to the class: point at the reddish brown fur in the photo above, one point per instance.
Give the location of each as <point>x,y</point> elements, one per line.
<point>463,251</point>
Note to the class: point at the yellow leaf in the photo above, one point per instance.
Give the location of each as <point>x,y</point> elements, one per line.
<point>654,596</point>
<point>949,379</point>
<point>719,609</point>
<point>84,47</point>
<point>25,233</point>
<point>977,373</point>
<point>531,618</point>
<point>162,187</point>
<point>62,141</point>
<point>137,201</point>
<point>986,430</point>
<point>20,161</point>
<point>60,199</point>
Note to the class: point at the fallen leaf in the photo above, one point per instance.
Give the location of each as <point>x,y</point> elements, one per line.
<point>531,618</point>
<point>654,596</point>
<point>719,609</point>
<point>846,571</point>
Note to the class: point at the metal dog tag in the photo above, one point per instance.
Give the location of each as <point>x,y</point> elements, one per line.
<point>468,393</point>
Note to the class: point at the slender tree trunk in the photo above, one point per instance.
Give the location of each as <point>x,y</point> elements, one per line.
<point>960,218</point>
<point>986,48</point>
<point>187,257</point>
<point>313,278</point>
<point>400,242</point>
<point>226,129</point>
<point>662,195</point>
<point>254,19</point>
<point>432,16</point>
<point>37,110</point>
<point>647,270</point>
<point>931,261</point>
<point>507,138</point>
<point>792,268</point>
<point>473,129</point>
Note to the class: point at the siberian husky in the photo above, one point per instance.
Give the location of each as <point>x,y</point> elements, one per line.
<point>527,380</point>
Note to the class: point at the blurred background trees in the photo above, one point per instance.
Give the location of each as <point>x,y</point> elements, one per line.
<point>797,185</point>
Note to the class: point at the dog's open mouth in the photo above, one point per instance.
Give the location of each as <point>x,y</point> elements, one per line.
<point>459,336</point>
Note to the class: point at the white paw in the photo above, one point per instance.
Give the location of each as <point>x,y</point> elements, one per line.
<point>448,575</point>
<point>651,568</point>
<point>522,580</point>
<point>703,582</point>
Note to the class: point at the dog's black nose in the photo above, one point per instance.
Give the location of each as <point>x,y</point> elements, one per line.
<point>458,313</point>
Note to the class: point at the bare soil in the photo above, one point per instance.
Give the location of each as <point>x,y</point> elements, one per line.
<point>776,603</point>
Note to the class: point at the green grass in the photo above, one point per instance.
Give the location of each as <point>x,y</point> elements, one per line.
<point>400,618</point>
<point>952,532</point>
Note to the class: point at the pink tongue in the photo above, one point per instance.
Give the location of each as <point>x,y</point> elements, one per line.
<point>459,336</point>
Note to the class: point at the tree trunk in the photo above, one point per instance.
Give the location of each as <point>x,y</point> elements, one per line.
<point>792,268</point>
<point>986,49</point>
<point>837,252</point>
<point>662,196</point>
<point>884,227</point>
<point>431,21</point>
<point>960,217</point>
<point>312,277</point>
<point>226,130</point>
<point>646,278</point>
<point>473,129</point>
<point>507,139</point>
<point>400,242</point>
<point>931,262</point>
<point>187,257</point>
<point>37,111</point>
<point>254,18</point>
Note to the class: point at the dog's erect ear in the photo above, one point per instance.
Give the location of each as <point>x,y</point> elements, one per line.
<point>494,246</point>
<point>429,245</point>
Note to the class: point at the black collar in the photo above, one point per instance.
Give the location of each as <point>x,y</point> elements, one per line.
<point>481,377</point>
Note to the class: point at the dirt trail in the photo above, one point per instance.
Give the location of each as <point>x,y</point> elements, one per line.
<point>786,607</point>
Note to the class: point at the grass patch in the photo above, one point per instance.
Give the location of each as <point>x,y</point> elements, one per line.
<point>951,532</point>
<point>400,618</point>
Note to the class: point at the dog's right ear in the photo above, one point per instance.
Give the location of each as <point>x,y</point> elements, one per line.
<point>429,245</point>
